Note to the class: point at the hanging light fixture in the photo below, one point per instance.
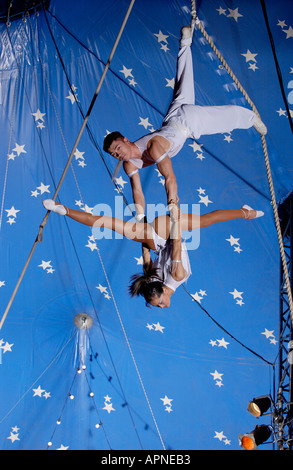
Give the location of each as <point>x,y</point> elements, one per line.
<point>258,406</point>
<point>259,435</point>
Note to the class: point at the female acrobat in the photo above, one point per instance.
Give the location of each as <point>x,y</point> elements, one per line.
<point>160,278</point>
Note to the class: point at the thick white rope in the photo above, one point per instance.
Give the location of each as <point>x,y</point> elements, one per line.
<point>198,23</point>
<point>43,223</point>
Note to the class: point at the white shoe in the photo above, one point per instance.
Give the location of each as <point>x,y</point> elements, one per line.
<point>249,215</point>
<point>186,36</point>
<point>259,125</point>
<point>51,205</point>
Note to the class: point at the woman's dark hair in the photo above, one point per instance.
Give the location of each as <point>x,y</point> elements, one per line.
<point>147,284</point>
<point>109,139</point>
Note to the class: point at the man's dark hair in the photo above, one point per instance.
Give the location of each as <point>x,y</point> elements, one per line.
<point>109,139</point>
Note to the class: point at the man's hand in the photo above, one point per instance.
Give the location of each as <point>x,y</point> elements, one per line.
<point>174,210</point>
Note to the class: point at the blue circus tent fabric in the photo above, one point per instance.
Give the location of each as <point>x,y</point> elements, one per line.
<point>139,378</point>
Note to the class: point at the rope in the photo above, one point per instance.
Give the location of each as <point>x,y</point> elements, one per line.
<point>44,221</point>
<point>102,263</point>
<point>39,238</point>
<point>37,380</point>
<point>265,151</point>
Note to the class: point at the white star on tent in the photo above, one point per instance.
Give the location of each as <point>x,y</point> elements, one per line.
<point>268,333</point>
<point>161,37</point>
<point>44,188</point>
<point>19,149</point>
<point>237,249</point>
<point>102,289</point>
<point>47,395</point>
<point>72,97</point>
<point>213,343</point>
<point>253,67</point>
<point>289,32</point>
<point>236,294</point>
<point>12,212</point>
<point>201,191</point>
<point>120,181</point>
<point>232,240</point>
<point>222,11</point>
<point>2,283</point>
<point>38,391</point>
<point>91,246</point>
<point>149,327</point>
<point>15,429</point>
<point>126,72</point>
<point>88,209</point>
<point>196,297</point>
<point>78,155</point>
<point>41,125</point>
<point>169,409</point>
<point>234,14</point>
<point>144,122</point>
<point>228,138</point>
<point>273,341</point>
<point>282,23</point>
<point>11,221</point>
<point>107,398</point>
<point>170,83</point>
<point>219,383</point>
<point>139,260</point>
<point>240,302</point>
<point>13,437</point>
<point>34,193</point>
<point>249,56</point>
<point>166,401</point>
<point>38,115</point>
<point>159,327</point>
<point>205,200</point>
<point>282,112</point>
<point>222,343</point>
<point>7,347</point>
<point>227,442</point>
<point>216,375</point>
<point>11,156</point>
<point>62,447</point>
<point>109,407</point>
<point>132,82</point>
<point>45,264</point>
<point>195,146</point>
<point>219,435</point>
<point>165,47</point>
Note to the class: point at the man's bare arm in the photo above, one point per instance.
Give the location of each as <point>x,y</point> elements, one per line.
<point>156,151</point>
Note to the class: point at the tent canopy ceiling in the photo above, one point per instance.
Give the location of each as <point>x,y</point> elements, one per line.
<point>139,377</point>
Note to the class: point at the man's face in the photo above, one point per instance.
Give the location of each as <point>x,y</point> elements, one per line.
<point>120,149</point>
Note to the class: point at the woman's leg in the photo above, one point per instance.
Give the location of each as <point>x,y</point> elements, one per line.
<point>194,221</point>
<point>138,232</point>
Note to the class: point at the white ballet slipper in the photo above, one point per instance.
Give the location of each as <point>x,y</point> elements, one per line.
<point>51,205</point>
<point>248,214</point>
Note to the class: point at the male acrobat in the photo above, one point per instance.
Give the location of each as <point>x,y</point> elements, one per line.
<point>184,119</point>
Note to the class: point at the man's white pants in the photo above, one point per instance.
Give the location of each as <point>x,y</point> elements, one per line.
<point>201,120</point>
